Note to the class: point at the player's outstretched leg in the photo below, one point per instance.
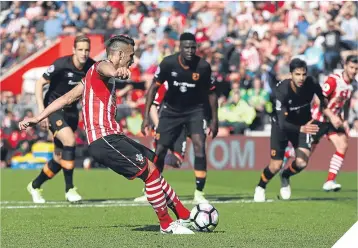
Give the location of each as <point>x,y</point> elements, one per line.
<point>161,152</point>
<point>157,198</point>
<point>173,202</point>
<point>50,169</point>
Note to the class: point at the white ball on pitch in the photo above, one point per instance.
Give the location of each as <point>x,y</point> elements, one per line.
<point>204,217</point>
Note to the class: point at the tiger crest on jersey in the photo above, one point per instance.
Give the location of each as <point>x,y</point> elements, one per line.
<point>59,123</point>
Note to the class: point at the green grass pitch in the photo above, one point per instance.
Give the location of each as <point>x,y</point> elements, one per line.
<point>107,217</point>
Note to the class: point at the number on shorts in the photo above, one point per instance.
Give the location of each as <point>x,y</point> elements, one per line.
<point>204,124</point>
<point>308,139</point>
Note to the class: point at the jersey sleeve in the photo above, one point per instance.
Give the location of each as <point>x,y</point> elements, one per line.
<point>159,96</point>
<point>161,74</point>
<point>282,112</point>
<point>329,86</point>
<point>53,70</point>
<point>320,94</point>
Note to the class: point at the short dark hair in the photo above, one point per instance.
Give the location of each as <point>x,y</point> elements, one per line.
<point>297,63</point>
<point>352,58</point>
<point>113,42</point>
<point>81,38</point>
<point>187,36</point>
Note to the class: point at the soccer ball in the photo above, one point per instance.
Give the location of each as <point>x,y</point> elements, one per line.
<point>204,217</point>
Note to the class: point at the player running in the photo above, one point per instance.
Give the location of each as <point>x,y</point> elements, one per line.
<point>292,122</point>
<point>107,144</point>
<point>63,75</point>
<point>190,85</point>
<point>338,89</point>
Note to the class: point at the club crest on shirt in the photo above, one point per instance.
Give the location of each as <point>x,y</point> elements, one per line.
<point>139,158</point>
<point>50,69</point>
<point>59,123</point>
<point>196,76</point>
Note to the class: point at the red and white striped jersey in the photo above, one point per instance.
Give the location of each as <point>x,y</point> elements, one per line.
<point>337,91</point>
<point>159,96</point>
<point>99,106</point>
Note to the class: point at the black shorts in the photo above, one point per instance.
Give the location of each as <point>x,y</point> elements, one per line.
<point>179,146</point>
<point>121,154</point>
<point>325,128</point>
<point>279,141</point>
<point>172,123</point>
<point>61,119</point>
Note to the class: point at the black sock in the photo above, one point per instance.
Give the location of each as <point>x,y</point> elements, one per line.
<point>291,170</point>
<point>50,169</point>
<point>266,176</point>
<point>68,164</point>
<point>159,163</point>
<point>40,179</point>
<point>200,183</point>
<point>68,178</point>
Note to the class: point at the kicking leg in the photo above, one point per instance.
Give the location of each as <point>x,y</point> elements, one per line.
<point>158,192</point>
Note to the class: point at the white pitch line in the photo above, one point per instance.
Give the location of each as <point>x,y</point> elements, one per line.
<point>109,204</point>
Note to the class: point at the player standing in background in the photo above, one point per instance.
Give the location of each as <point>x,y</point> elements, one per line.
<point>177,151</point>
<point>190,86</point>
<point>107,144</point>
<point>338,90</point>
<point>63,75</point>
<point>292,122</point>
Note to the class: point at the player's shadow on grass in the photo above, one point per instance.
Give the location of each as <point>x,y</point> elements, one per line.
<point>321,191</point>
<point>107,227</point>
<point>147,228</point>
<point>324,199</point>
<point>234,197</point>
<point>155,228</point>
<point>110,199</point>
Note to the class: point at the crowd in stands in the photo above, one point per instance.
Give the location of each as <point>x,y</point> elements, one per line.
<point>246,43</point>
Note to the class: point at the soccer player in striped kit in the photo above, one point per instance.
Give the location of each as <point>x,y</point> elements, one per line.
<point>338,90</point>
<point>108,145</point>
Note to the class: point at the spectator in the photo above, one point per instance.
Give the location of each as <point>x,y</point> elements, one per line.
<point>332,46</point>
<point>148,59</point>
<point>236,115</point>
<point>258,98</point>
<point>297,42</point>
<point>314,58</point>
<point>250,56</point>
<point>53,26</point>
<point>350,26</point>
<point>134,122</point>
